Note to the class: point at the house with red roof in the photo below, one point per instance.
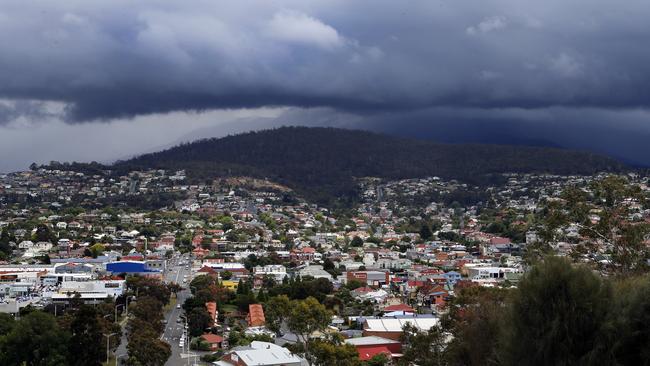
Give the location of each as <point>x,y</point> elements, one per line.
<point>499,241</point>
<point>200,252</point>
<point>212,310</point>
<point>399,307</point>
<point>305,254</point>
<point>433,295</point>
<point>213,340</point>
<point>205,270</point>
<point>255,317</point>
<point>371,346</point>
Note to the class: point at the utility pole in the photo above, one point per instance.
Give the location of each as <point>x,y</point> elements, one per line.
<point>108,345</point>
<point>187,341</point>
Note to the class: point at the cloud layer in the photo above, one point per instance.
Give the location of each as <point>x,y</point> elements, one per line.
<point>573,74</point>
<point>121,58</point>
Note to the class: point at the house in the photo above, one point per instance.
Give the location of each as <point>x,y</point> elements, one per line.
<point>432,295</point>
<point>200,252</point>
<point>315,271</point>
<point>371,346</point>
<point>277,271</point>
<point>27,244</point>
<point>452,277</point>
<point>211,307</point>
<point>213,340</point>
<point>399,307</point>
<point>205,270</point>
<point>255,317</point>
<point>489,273</point>
<point>261,354</point>
<point>370,278</point>
<point>306,254</point>
<point>392,328</point>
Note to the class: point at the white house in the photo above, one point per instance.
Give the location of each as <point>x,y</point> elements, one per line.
<point>277,271</point>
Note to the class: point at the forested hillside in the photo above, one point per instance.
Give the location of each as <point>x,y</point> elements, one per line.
<point>321,163</point>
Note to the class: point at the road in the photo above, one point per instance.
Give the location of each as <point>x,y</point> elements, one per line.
<point>174,326</point>
<point>174,330</point>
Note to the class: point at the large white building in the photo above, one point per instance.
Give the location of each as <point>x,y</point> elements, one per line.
<point>277,271</point>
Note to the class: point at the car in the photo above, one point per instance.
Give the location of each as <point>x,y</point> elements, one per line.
<point>178,306</point>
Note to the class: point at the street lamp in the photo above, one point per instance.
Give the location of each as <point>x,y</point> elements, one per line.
<point>126,306</point>
<point>108,345</point>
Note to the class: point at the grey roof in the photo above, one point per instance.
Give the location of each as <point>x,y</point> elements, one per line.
<point>367,341</point>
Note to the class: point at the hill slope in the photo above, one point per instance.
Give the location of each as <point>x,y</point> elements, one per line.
<point>321,162</point>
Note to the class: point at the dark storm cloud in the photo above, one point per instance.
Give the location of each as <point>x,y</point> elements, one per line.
<point>27,109</point>
<point>119,59</point>
<point>622,134</point>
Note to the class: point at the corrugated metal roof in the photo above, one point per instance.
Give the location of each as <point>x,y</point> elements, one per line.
<point>396,325</point>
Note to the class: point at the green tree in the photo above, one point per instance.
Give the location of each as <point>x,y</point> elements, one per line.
<point>324,352</point>
<point>378,360</point>
<point>86,343</point>
<point>423,348</point>
<point>148,286</point>
<point>7,323</point>
<point>5,239</point>
<point>425,232</point>
<point>43,233</point>
<point>276,311</point>
<point>97,250</point>
<point>354,284</point>
<point>35,340</point>
<point>356,242</point>
<point>306,317</point>
<point>628,324</point>
<point>474,320</point>
<point>556,316</point>
<point>198,321</point>
<point>147,350</point>
<point>149,310</point>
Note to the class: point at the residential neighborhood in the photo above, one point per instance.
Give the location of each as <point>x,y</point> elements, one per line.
<point>240,256</point>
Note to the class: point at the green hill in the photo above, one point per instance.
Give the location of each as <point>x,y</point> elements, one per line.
<point>321,163</point>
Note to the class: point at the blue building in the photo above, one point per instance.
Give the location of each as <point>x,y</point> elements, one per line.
<point>132,268</point>
<point>452,277</point>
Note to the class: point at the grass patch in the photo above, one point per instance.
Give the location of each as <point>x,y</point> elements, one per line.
<point>228,308</point>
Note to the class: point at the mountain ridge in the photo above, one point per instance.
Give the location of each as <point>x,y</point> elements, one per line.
<point>322,162</point>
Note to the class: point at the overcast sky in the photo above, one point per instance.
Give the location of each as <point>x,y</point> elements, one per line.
<point>90,80</point>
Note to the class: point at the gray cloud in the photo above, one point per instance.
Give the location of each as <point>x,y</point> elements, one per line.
<point>121,59</point>
<point>573,74</point>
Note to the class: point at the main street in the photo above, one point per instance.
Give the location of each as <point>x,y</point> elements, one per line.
<point>177,271</point>
<point>175,326</point>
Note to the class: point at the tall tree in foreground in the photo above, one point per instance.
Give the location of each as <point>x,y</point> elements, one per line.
<point>628,341</point>
<point>276,311</point>
<point>35,340</point>
<point>423,348</point>
<point>556,316</point>
<point>86,343</point>
<point>145,349</point>
<point>332,351</point>
<point>474,320</point>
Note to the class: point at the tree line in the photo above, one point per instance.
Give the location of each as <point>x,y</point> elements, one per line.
<point>560,314</point>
